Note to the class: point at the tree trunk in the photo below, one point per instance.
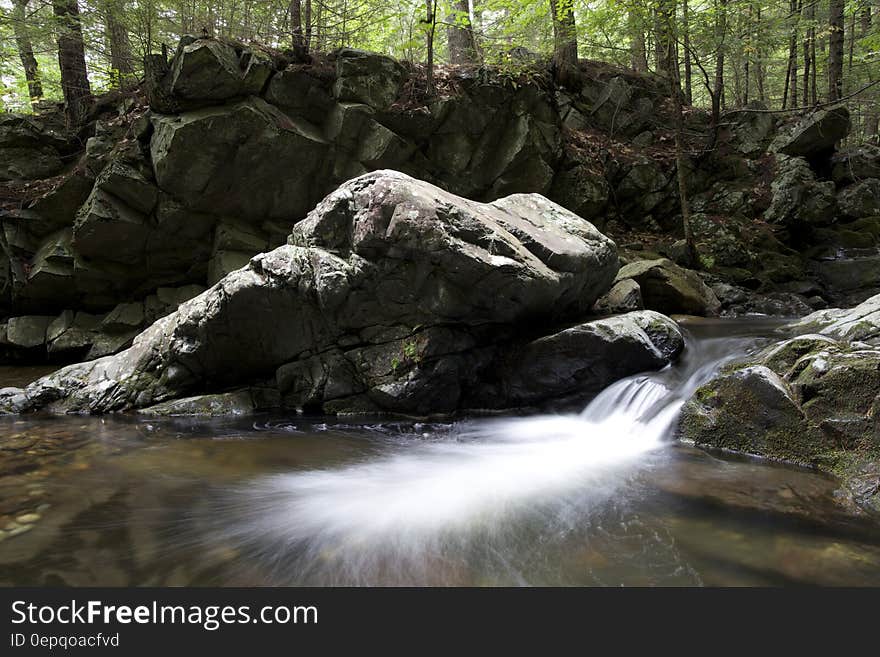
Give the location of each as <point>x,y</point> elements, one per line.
<point>809,14</point>
<point>430,20</point>
<point>835,49</point>
<point>637,49</point>
<point>759,56</point>
<point>790,95</point>
<point>298,41</point>
<point>26,49</point>
<point>678,120</point>
<point>685,26</point>
<point>120,45</point>
<point>72,62</point>
<point>665,38</point>
<point>565,50</point>
<point>308,27</point>
<point>720,38</point>
<point>460,35</point>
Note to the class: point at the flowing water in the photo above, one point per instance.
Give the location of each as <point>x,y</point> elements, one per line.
<point>603,497</point>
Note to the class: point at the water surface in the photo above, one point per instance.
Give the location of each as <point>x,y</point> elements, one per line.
<point>604,497</point>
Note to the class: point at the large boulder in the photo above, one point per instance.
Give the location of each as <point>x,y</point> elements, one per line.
<point>798,197</point>
<point>861,199</point>
<point>816,135</point>
<point>392,295</point>
<point>212,70</point>
<point>856,164</point>
<point>668,288</point>
<point>248,159</point>
<point>367,77</point>
<point>24,151</point>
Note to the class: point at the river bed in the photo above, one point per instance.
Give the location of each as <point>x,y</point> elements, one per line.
<point>603,497</point>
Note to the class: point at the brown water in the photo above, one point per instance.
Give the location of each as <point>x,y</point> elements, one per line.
<point>557,500</point>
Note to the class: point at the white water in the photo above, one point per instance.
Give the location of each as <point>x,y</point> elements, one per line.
<point>406,510</point>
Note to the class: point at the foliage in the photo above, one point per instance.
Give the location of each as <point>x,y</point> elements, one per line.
<point>754,36</point>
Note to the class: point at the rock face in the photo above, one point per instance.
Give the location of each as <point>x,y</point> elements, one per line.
<point>812,399</point>
<point>237,145</point>
<point>392,295</point>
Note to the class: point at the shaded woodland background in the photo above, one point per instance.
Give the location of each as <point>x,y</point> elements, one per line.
<point>723,54</point>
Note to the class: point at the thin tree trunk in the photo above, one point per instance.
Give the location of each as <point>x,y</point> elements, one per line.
<point>835,49</point>
<point>431,21</point>
<point>759,55</point>
<point>791,77</point>
<point>460,35</point>
<point>296,29</point>
<point>72,62</point>
<point>808,13</point>
<point>637,49</point>
<point>26,49</point>
<point>565,50</point>
<point>685,26</point>
<point>308,26</point>
<point>720,37</point>
<point>664,37</point>
<point>681,179</point>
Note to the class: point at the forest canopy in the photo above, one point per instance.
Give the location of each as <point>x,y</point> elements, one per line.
<point>783,53</point>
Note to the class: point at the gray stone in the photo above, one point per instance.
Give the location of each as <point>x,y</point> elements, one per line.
<point>624,296</point>
<point>230,157</point>
<point>27,331</point>
<point>367,77</point>
<point>668,288</point>
<point>384,250</point>
<point>816,134</point>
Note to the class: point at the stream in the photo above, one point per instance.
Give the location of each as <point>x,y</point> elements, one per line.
<point>601,497</point>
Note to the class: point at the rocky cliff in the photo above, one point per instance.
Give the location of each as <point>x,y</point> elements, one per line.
<point>230,147</point>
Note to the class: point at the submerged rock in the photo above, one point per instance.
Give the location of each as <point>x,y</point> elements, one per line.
<point>393,295</point>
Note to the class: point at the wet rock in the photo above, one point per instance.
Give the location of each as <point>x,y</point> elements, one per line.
<point>668,288</point>
<point>240,402</point>
<point>812,399</point>
<point>586,358</point>
<point>861,323</point>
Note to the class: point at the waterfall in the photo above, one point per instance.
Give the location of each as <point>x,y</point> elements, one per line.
<point>456,494</point>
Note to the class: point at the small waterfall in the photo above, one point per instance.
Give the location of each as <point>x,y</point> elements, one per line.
<point>393,518</point>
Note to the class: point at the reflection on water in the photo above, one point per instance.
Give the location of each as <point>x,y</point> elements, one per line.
<point>600,498</point>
